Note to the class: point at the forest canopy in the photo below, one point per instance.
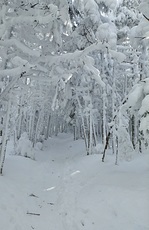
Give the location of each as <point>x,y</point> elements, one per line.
<point>75,66</point>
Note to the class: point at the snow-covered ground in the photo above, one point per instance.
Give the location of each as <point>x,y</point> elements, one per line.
<point>65,190</point>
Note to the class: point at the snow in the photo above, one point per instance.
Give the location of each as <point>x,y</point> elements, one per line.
<point>30,19</point>
<point>144,6</point>
<point>71,191</point>
<point>146,86</point>
<point>20,46</point>
<point>135,97</point>
<point>24,146</point>
<point>144,126</point>
<point>15,71</point>
<point>145,106</point>
<point>126,148</point>
<point>111,3</point>
<point>94,72</point>
<point>120,57</point>
<point>91,8</point>
<point>107,32</point>
<point>17,61</point>
<point>144,121</point>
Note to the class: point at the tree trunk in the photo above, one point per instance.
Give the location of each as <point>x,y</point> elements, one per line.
<point>117,151</point>
<point>4,137</point>
<point>104,119</point>
<point>106,146</point>
<point>90,129</point>
<point>48,127</point>
<point>133,131</point>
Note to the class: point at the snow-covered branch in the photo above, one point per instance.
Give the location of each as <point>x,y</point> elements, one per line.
<point>21,46</point>
<point>32,19</point>
<point>15,71</point>
<point>77,55</point>
<point>4,94</point>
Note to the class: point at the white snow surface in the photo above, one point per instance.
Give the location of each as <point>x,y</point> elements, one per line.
<point>145,105</point>
<point>71,191</point>
<point>135,96</point>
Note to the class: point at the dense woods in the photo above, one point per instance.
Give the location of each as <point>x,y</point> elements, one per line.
<point>75,66</point>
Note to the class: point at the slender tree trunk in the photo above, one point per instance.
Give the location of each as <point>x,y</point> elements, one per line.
<point>83,125</point>
<point>143,57</point>
<point>20,118</point>
<point>48,127</point>
<point>31,130</point>
<point>90,132</point>
<point>117,151</point>
<point>133,131</point>
<point>106,146</point>
<point>113,109</point>
<point>4,137</point>
<point>94,134</point>
<point>104,119</point>
<point>139,138</point>
<point>114,141</point>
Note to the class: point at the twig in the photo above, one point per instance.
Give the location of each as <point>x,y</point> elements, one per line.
<point>145,17</point>
<point>141,38</point>
<point>32,213</point>
<point>51,203</point>
<point>33,195</point>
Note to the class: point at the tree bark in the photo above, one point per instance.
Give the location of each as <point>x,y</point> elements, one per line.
<point>4,137</point>
<point>106,146</point>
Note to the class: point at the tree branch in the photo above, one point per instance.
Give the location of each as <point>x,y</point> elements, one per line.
<point>32,213</point>
<point>145,17</point>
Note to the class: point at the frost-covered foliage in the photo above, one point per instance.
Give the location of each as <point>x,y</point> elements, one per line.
<point>137,103</point>
<point>127,16</point>
<point>139,33</point>
<point>93,25</point>
<point>126,149</point>
<point>135,98</point>
<point>69,64</point>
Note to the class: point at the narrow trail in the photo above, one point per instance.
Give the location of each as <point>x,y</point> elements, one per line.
<point>57,175</point>
<point>69,191</point>
<point>67,198</point>
<point>66,189</point>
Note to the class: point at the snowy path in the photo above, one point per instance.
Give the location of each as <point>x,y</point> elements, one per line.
<point>70,191</point>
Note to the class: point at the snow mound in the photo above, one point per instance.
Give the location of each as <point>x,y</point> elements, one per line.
<point>24,147</point>
<point>38,146</point>
<point>98,149</point>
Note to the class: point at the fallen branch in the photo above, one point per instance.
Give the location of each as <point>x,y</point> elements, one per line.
<point>32,213</point>
<point>33,195</point>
